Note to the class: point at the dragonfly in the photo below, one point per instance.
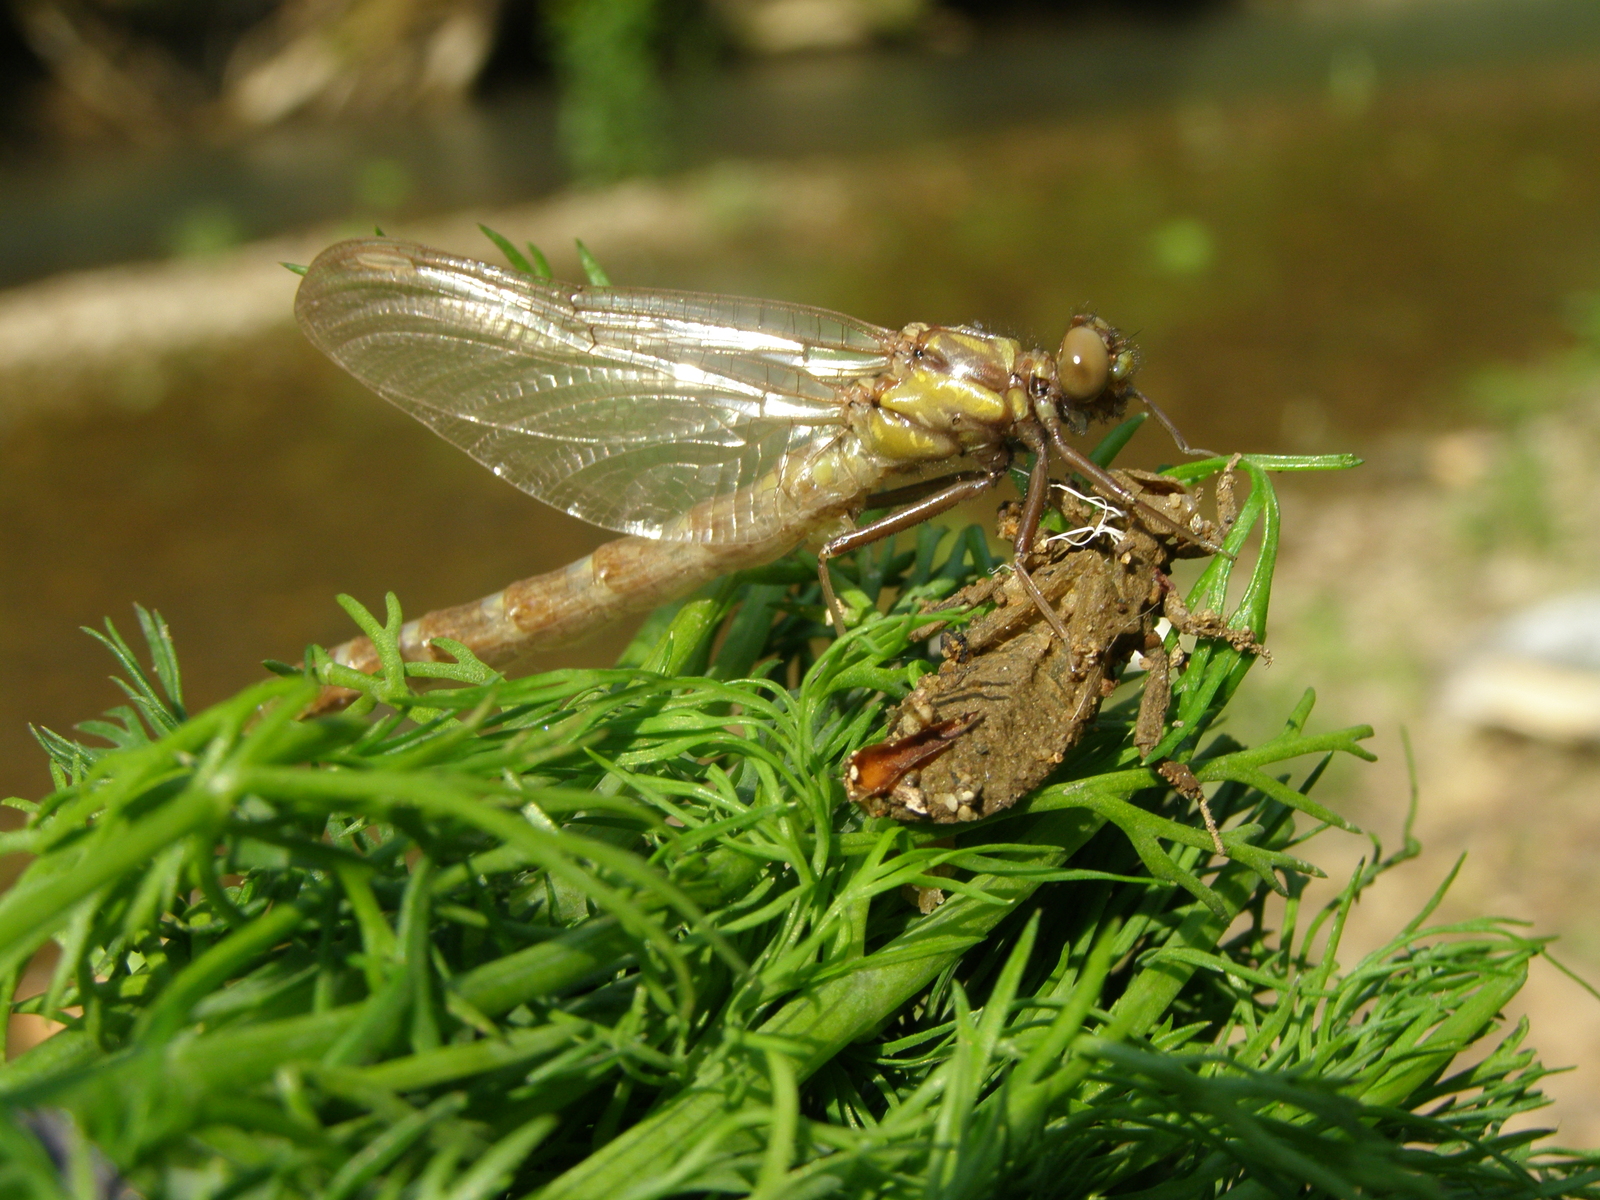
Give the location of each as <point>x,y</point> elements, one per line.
<point>716,433</point>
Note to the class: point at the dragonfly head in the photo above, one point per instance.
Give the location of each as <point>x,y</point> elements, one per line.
<point>1094,372</point>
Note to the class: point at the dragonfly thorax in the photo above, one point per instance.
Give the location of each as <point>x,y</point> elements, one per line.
<point>950,392</point>
<point>959,390</point>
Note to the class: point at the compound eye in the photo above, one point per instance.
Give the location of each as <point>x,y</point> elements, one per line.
<point>1083,367</point>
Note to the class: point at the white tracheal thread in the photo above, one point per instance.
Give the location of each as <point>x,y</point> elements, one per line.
<point>1078,538</point>
<point>1105,513</point>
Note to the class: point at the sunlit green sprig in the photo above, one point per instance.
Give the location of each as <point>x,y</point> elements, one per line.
<point>616,933</point>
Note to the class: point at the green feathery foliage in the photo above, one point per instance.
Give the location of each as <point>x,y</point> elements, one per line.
<point>605,934</point>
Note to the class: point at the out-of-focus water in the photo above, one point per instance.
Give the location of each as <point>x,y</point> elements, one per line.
<point>1321,233</point>
<point>74,210</point>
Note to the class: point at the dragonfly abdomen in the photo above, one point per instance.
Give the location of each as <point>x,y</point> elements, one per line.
<point>564,607</point>
<point>631,575</point>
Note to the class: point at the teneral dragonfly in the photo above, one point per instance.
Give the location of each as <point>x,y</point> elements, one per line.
<point>719,433</point>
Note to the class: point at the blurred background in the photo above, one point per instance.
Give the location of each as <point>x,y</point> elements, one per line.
<point>1366,225</point>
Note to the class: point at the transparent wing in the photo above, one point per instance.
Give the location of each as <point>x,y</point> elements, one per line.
<point>624,407</point>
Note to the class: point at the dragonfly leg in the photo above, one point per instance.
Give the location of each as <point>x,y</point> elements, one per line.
<point>964,487</point>
<point>1105,483</point>
<point>913,492</point>
<point>1038,491</point>
<point>1178,439</point>
<point>1028,529</point>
